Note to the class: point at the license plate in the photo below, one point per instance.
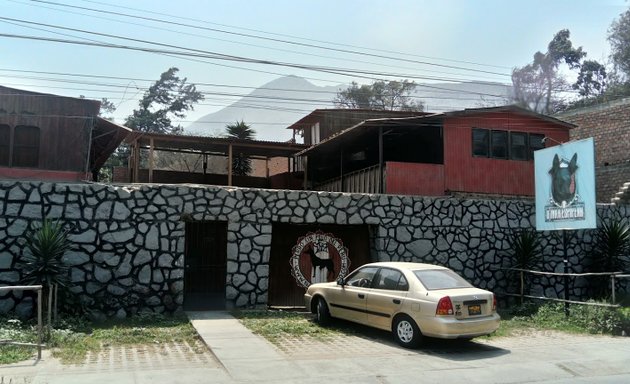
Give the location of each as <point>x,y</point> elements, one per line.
<point>474,310</point>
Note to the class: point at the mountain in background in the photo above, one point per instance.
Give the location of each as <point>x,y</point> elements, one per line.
<point>269,109</point>
<point>276,105</point>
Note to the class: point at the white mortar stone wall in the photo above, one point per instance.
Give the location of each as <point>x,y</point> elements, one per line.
<point>128,245</point>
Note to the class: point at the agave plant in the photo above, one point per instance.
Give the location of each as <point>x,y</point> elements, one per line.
<point>42,263</point>
<point>525,253</point>
<point>612,246</point>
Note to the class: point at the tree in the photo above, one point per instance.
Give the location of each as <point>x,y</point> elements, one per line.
<point>536,84</point>
<point>170,97</point>
<point>107,108</point>
<point>380,95</point>
<point>619,38</point>
<point>241,165</point>
<point>591,80</point>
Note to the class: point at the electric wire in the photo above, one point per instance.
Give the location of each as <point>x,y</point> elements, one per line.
<point>354,52</point>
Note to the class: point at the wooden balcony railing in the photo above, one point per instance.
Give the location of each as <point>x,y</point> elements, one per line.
<point>366,180</point>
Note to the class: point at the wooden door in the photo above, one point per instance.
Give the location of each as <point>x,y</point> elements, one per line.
<point>205,263</point>
<point>284,288</point>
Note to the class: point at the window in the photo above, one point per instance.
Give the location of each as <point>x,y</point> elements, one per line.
<point>499,148</point>
<point>535,143</point>
<point>433,279</point>
<point>391,279</point>
<point>26,146</point>
<point>5,142</point>
<point>362,278</point>
<point>500,144</point>
<point>518,146</point>
<point>480,142</point>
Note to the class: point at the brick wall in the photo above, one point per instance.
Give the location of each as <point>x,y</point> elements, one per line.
<point>609,125</point>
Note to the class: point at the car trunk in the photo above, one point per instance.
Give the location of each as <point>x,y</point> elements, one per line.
<point>469,303</point>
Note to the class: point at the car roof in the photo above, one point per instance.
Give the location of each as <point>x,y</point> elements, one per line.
<point>405,265</point>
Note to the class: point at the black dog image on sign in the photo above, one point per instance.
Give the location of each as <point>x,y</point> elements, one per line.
<point>320,263</point>
<point>563,180</point>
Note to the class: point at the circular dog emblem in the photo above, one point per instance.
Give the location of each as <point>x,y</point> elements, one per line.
<point>318,257</point>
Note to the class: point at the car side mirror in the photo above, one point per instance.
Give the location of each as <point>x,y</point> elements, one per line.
<point>341,281</point>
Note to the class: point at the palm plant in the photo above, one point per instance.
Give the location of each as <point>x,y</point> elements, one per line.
<point>42,262</point>
<point>525,254</point>
<point>612,246</point>
<point>611,252</point>
<point>241,165</point>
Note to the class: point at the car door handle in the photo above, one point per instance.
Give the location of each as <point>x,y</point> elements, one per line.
<point>361,296</point>
<point>396,301</point>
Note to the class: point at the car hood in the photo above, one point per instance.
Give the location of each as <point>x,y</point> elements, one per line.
<point>322,285</point>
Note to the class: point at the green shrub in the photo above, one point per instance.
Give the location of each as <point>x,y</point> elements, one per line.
<point>582,318</point>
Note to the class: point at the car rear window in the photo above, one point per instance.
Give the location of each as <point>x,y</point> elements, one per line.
<point>434,279</point>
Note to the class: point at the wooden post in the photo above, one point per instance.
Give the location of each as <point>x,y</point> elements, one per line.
<point>565,243</point>
<point>50,297</point>
<point>267,166</point>
<point>522,286</point>
<point>612,285</point>
<point>130,164</point>
<point>380,160</point>
<point>56,303</point>
<point>230,165</point>
<point>136,162</point>
<point>305,166</point>
<point>40,329</point>
<point>342,189</point>
<point>151,160</point>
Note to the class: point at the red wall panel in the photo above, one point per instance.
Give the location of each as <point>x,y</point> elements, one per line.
<point>414,179</point>
<point>42,174</point>
<point>465,173</point>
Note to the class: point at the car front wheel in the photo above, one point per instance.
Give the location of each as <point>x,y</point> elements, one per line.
<point>406,332</point>
<point>322,313</point>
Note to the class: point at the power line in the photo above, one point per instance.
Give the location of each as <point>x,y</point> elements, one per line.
<point>220,56</point>
<point>272,39</point>
<point>300,38</point>
<point>292,100</point>
<point>246,44</point>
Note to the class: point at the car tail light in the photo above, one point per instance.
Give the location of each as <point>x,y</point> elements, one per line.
<point>494,302</point>
<point>444,307</point>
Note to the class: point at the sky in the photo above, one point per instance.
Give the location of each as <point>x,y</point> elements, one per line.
<point>424,41</point>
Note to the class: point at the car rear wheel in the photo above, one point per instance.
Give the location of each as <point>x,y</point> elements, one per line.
<point>406,332</point>
<point>322,313</point>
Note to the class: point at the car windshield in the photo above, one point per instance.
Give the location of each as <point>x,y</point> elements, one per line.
<point>434,279</point>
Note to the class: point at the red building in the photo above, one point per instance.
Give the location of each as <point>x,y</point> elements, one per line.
<point>55,138</point>
<point>485,151</point>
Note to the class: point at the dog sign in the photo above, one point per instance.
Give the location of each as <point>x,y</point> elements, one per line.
<point>318,257</point>
<point>565,186</point>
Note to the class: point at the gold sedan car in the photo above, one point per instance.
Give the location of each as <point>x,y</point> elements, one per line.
<point>411,300</point>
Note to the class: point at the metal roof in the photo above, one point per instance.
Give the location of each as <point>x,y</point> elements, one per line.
<point>351,133</point>
<point>215,145</point>
<point>106,137</point>
<point>314,116</point>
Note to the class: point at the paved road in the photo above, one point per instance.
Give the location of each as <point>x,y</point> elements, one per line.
<point>368,357</point>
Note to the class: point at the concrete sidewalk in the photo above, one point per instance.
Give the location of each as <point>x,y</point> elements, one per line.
<point>244,355</point>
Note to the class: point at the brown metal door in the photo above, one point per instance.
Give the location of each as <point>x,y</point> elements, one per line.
<point>284,291</point>
<point>205,265</point>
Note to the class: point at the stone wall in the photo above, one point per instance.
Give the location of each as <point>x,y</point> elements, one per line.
<point>128,241</point>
